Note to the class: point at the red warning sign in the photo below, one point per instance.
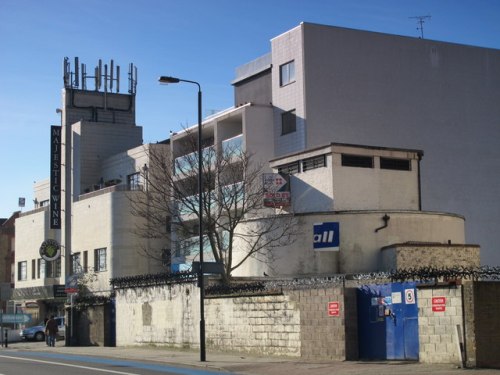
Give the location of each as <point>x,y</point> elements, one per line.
<point>438,304</point>
<point>334,308</point>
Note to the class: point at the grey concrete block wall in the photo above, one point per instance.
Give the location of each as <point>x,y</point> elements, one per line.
<point>296,323</point>
<point>438,329</point>
<point>322,335</point>
<point>268,325</point>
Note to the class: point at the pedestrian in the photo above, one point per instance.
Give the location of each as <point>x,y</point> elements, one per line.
<point>46,336</point>
<point>51,330</point>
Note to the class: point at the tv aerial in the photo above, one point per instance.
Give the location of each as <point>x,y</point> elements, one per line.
<point>420,23</point>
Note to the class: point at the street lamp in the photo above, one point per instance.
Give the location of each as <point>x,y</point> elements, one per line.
<point>167,80</point>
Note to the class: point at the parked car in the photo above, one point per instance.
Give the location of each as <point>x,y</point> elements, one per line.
<point>37,332</point>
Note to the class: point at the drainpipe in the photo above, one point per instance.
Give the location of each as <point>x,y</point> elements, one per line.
<point>386,219</point>
<point>420,155</point>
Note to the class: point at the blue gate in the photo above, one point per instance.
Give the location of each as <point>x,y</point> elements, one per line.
<point>388,321</point>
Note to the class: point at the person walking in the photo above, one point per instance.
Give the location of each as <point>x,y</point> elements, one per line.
<point>51,330</point>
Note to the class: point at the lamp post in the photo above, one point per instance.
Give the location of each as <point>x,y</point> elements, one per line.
<point>167,80</point>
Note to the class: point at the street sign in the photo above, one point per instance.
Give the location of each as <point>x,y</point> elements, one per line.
<point>15,318</point>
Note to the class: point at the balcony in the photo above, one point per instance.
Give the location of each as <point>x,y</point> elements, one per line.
<point>187,164</point>
<point>233,146</point>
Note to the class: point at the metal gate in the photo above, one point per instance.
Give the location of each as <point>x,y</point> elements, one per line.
<point>388,321</point>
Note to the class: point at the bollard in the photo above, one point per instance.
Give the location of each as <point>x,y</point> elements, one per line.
<point>6,339</point>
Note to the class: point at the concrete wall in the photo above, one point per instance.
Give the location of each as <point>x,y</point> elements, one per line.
<point>317,323</point>
<point>32,229</point>
<point>92,144</point>
<point>293,324</point>
<point>268,325</point>
<point>337,187</point>
<point>285,48</point>
<point>360,245</point>
<point>105,221</point>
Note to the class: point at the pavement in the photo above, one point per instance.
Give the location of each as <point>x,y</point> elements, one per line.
<point>243,364</point>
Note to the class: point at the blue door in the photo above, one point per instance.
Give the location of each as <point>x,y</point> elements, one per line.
<point>388,321</point>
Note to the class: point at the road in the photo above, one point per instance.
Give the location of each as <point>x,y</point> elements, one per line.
<point>40,363</point>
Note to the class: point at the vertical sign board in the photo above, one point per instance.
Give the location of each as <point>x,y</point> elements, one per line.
<point>326,236</point>
<point>276,190</point>
<point>334,308</point>
<point>55,177</point>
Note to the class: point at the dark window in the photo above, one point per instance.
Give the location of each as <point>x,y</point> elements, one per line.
<point>357,161</point>
<point>53,268</point>
<point>395,164</point>
<point>287,73</point>
<point>312,163</point>
<point>288,122</point>
<point>76,264</point>
<point>41,268</point>
<point>22,271</point>
<point>85,261</point>
<point>291,168</point>
<point>133,181</point>
<point>33,269</point>
<point>100,260</point>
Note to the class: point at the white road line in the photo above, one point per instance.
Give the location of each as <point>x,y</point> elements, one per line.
<point>69,365</point>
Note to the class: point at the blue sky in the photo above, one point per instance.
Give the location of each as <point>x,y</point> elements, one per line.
<point>198,40</point>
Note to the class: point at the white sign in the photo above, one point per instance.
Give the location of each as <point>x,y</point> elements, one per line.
<point>409,296</point>
<point>396,297</point>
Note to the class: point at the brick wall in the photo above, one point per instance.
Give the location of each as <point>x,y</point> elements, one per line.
<point>402,256</point>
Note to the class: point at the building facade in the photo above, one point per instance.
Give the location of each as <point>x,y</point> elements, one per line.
<point>359,87</point>
<point>101,165</point>
<point>343,115</point>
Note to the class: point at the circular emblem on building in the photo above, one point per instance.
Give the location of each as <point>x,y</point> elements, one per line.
<point>50,250</point>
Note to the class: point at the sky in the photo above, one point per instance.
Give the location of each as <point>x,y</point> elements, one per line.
<point>198,40</point>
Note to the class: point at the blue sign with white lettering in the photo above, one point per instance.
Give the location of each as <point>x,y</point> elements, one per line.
<point>326,237</point>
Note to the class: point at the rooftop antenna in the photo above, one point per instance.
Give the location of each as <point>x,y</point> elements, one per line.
<point>420,22</point>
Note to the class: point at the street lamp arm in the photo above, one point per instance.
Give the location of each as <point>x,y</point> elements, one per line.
<point>167,79</point>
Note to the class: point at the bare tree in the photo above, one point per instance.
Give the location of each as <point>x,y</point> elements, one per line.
<point>236,226</point>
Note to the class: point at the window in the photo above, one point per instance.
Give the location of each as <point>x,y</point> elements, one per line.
<point>33,269</point>
<point>133,181</point>
<point>290,168</point>
<point>313,163</point>
<point>395,164</point>
<point>41,269</point>
<point>100,260</point>
<point>166,258</point>
<point>287,73</point>
<point>76,264</point>
<point>288,122</point>
<point>22,271</point>
<point>53,269</point>
<point>357,161</point>
<point>85,261</point>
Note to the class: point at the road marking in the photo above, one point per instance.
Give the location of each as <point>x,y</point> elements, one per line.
<point>69,365</point>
